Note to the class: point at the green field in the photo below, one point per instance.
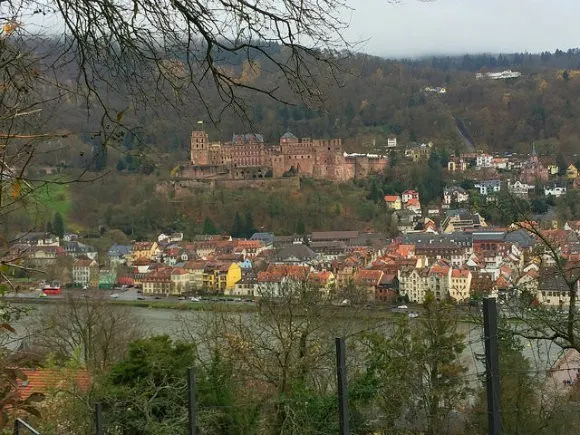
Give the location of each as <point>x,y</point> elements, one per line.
<point>55,197</point>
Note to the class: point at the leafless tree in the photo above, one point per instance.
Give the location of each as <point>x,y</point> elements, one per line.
<point>89,327</point>
<point>155,49</point>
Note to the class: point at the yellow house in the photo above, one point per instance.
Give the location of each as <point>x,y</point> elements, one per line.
<point>144,250</point>
<point>393,202</point>
<point>553,169</point>
<point>233,276</point>
<point>571,172</point>
<point>219,276</point>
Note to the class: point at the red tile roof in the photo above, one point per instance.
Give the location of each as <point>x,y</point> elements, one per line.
<point>43,380</point>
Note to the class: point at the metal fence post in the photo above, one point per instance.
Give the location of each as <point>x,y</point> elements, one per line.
<point>342,388</point>
<point>491,365</point>
<point>191,401</point>
<point>99,430</point>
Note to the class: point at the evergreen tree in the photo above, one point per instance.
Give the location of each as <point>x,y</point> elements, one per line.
<point>209,227</point>
<point>49,228</point>
<point>300,227</point>
<point>562,164</point>
<point>249,224</point>
<point>58,225</point>
<point>238,226</point>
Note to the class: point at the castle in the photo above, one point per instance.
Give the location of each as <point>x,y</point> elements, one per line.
<point>248,157</point>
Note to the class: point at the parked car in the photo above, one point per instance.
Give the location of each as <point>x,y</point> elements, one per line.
<point>402,307</point>
<point>115,295</point>
<point>181,298</point>
<point>194,299</point>
<point>140,298</point>
<point>413,315</point>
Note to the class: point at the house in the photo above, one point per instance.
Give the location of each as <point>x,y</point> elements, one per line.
<point>483,161</point>
<point>157,282</point>
<point>572,226</point>
<point>409,194</point>
<point>119,254</point>
<point>180,280</point>
<point>418,152</point>
<point>333,236</point>
<point>405,220</point>
<point>554,190</point>
<point>246,286</point>
<point>107,278</point>
<point>323,280</point>
<point>571,172</point>
<point>460,220</point>
<point>295,254</point>
<point>214,277</point>
<point>487,187</point>
<point>370,280</point>
<point>455,194</point>
<point>267,239</point>
<point>393,202</point>
<point>501,163</point>
<point>388,288</point>
<point>37,239</point>
<point>413,283</point>
<point>414,205</point>
<point>195,270</point>
<point>460,284</point>
<point>144,250</point>
<point>457,164</point>
<point>77,249</point>
<point>519,189</point>
<point>233,275</point>
<point>45,380</point>
<point>85,272</point>
<point>391,142</point>
<point>553,169</point>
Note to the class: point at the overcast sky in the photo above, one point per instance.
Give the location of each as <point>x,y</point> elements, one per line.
<point>415,28</point>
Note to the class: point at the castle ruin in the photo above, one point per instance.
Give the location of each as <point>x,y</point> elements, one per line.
<point>248,157</point>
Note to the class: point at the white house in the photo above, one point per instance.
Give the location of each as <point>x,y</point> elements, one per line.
<point>409,194</point>
<point>555,190</point>
<point>455,194</point>
<point>488,186</point>
<point>519,189</point>
<point>392,142</point>
<point>484,161</point>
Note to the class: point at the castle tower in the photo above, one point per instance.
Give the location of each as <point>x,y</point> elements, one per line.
<point>534,158</point>
<point>199,148</point>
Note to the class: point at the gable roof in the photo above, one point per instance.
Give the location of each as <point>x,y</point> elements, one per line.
<point>43,380</point>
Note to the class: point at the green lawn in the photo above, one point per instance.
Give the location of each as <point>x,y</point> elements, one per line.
<point>55,197</point>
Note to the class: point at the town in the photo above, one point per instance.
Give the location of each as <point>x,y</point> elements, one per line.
<point>445,246</point>
<point>461,265</point>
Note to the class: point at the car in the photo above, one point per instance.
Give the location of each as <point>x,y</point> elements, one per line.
<point>181,298</point>
<point>140,298</point>
<point>413,315</point>
<point>194,299</point>
<point>157,297</point>
<point>402,307</point>
<point>114,295</point>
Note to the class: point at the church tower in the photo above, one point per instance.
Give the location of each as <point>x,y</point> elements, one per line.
<point>199,148</point>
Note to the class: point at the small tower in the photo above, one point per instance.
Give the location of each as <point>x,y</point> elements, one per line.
<point>534,158</point>
<point>199,148</point>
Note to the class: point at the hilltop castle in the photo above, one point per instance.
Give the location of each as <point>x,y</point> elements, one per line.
<point>248,157</point>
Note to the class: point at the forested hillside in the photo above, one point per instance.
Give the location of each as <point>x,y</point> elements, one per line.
<point>364,101</point>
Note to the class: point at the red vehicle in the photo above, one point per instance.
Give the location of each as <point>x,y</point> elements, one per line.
<point>51,289</point>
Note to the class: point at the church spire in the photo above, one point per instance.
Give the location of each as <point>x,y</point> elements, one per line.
<point>534,149</point>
